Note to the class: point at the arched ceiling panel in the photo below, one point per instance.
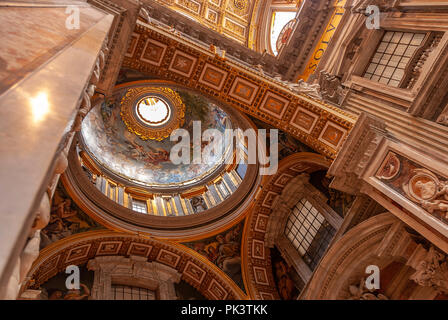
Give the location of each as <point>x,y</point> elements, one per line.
<point>229,17</point>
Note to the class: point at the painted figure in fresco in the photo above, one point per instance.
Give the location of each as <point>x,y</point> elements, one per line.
<point>109,140</point>
<point>132,140</point>
<point>212,251</point>
<point>64,209</point>
<point>224,251</point>
<point>219,118</point>
<point>72,294</point>
<point>285,285</point>
<point>57,228</point>
<point>65,219</point>
<point>198,204</point>
<point>155,158</point>
<point>229,249</point>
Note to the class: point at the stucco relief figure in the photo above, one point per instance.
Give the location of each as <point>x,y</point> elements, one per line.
<point>436,205</point>
<point>390,168</point>
<point>360,292</point>
<point>443,118</point>
<point>443,190</point>
<point>361,5</point>
<point>311,90</point>
<point>218,51</point>
<point>432,271</point>
<point>73,294</point>
<point>331,88</point>
<point>144,14</point>
<point>425,188</point>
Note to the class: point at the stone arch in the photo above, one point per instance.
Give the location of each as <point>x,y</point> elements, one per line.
<point>79,249</point>
<point>408,270</point>
<point>345,259</point>
<point>257,269</point>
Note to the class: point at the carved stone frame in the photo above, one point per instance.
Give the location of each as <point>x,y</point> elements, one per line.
<point>133,271</point>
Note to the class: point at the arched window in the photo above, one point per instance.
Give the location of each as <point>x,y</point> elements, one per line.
<point>280,20</point>
<point>133,278</point>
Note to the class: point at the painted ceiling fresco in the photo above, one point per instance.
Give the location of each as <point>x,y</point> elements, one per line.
<point>148,162</point>
<point>66,219</point>
<point>224,250</point>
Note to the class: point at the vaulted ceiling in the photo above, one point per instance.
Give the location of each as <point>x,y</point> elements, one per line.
<point>233,18</point>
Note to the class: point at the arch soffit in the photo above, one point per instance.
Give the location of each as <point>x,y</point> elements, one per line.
<point>363,245</point>
<point>195,269</point>
<point>256,263</point>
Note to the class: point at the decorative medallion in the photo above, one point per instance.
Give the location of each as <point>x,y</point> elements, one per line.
<point>240,4</point>
<point>152,112</point>
<point>390,167</point>
<point>423,185</point>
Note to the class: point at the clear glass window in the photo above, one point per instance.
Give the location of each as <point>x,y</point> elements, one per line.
<point>392,57</point>
<point>309,232</point>
<point>139,206</point>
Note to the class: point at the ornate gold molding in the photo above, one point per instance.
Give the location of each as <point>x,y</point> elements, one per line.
<point>128,114</point>
<point>321,126</point>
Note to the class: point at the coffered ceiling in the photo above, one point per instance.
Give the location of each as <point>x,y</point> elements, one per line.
<point>233,18</point>
<point>166,55</point>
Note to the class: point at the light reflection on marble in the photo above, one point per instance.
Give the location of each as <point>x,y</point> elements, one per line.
<point>27,151</point>
<point>31,36</point>
<point>40,106</point>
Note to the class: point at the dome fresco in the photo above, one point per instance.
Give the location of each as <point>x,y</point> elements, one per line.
<point>147,162</point>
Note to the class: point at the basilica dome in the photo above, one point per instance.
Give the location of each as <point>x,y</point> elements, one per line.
<point>125,170</point>
<point>131,137</point>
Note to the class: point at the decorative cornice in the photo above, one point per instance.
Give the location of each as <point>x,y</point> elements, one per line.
<point>356,154</point>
